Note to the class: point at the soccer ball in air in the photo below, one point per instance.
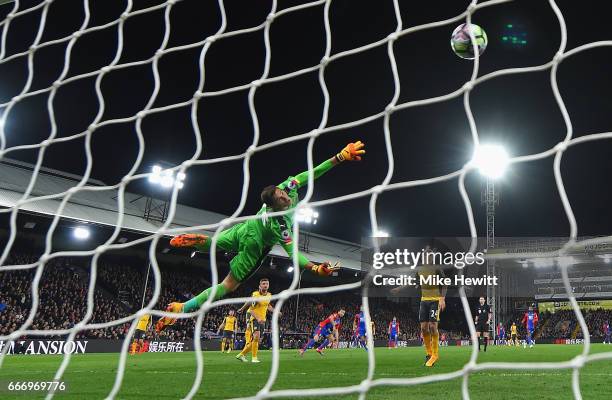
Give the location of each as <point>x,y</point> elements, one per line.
<point>461,44</point>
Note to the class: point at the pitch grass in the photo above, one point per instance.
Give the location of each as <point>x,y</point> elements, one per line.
<point>170,375</point>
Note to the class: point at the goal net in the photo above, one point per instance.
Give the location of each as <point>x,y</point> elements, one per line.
<point>32,28</point>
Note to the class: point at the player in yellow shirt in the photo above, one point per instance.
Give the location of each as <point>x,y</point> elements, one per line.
<point>432,304</point>
<point>513,335</point>
<point>229,328</point>
<point>256,323</point>
<point>144,324</point>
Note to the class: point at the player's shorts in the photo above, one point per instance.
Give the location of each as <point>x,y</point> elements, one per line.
<point>530,330</point>
<point>393,337</point>
<point>361,332</point>
<point>256,326</point>
<point>428,311</point>
<point>251,251</point>
<point>482,327</point>
<point>513,336</point>
<point>250,248</point>
<point>140,334</point>
<point>228,334</point>
<point>322,331</point>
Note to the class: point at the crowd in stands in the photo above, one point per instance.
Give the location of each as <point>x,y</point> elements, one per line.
<point>63,290</point>
<point>559,325</point>
<point>595,322</point>
<point>62,300</point>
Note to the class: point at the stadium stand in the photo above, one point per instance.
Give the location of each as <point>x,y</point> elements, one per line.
<point>63,290</point>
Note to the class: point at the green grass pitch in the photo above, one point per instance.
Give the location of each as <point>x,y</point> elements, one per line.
<point>169,375</point>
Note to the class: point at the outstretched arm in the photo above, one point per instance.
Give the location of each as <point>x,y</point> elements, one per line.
<point>302,260</point>
<point>323,269</point>
<point>351,152</point>
<point>244,307</point>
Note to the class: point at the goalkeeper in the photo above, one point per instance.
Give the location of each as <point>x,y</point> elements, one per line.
<point>253,239</point>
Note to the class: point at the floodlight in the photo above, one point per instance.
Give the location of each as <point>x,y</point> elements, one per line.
<point>81,233</point>
<point>491,160</point>
<point>166,178</point>
<point>307,215</point>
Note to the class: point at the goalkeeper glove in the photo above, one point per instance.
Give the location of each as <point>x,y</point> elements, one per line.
<point>351,152</point>
<point>325,269</point>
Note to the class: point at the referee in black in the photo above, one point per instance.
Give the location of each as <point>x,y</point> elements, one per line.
<point>482,321</point>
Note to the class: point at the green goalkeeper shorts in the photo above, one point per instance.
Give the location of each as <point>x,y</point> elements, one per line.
<point>250,248</point>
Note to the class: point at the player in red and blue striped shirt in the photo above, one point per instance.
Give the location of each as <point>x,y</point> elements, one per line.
<point>394,331</point>
<point>530,319</point>
<point>359,326</point>
<point>324,330</point>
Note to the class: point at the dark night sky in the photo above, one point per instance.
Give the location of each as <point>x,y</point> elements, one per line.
<point>517,110</point>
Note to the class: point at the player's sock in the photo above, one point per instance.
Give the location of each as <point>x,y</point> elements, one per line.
<point>486,342</point>
<point>254,348</point>
<point>435,343</point>
<point>222,344</point>
<point>363,343</point>
<point>323,345</point>
<point>196,302</point>
<point>246,349</point>
<point>427,341</point>
<point>479,342</point>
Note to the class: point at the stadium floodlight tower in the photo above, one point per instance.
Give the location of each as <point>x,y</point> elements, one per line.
<point>157,210</point>
<point>164,179</point>
<point>491,161</point>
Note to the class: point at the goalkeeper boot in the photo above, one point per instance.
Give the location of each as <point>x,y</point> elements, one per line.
<point>432,360</point>
<point>164,321</point>
<point>427,357</point>
<point>188,240</point>
<point>255,360</point>
<point>242,358</point>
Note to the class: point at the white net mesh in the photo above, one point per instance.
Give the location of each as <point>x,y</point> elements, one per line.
<point>203,45</point>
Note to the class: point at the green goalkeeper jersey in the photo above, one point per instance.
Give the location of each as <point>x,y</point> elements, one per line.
<point>278,229</point>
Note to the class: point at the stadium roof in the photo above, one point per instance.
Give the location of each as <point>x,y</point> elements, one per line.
<point>100,207</point>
